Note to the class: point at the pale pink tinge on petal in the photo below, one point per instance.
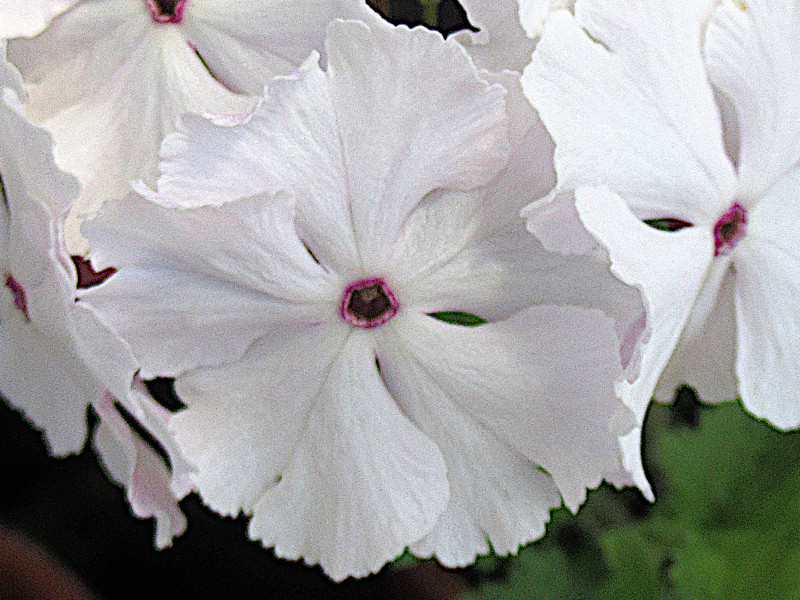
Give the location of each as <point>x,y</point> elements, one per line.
<point>138,469</point>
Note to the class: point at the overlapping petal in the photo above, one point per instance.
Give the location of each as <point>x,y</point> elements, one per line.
<point>669,269</point>
<point>768,316</point>
<point>328,465</point>
<point>402,133</point>
<point>197,286</point>
<point>110,105</point>
<point>244,44</point>
<point>289,142</point>
<point>753,55</point>
<point>705,357</point>
<point>632,111</point>
<point>24,18</point>
<point>497,496</point>
<point>136,467</point>
<point>501,41</point>
<point>536,413</point>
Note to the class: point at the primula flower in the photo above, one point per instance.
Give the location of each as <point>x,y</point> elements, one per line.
<point>305,315</point>
<point>56,356</point>
<point>624,90</point>
<point>109,78</point>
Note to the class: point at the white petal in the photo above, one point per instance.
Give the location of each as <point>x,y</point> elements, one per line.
<point>109,101</point>
<point>497,496</point>
<point>403,134</point>
<point>363,482</point>
<point>706,359</point>
<point>752,55</point>
<point>137,468</point>
<point>41,371</point>
<point>27,167</point>
<point>25,18</point>
<point>501,42</point>
<point>534,13</point>
<point>768,314</point>
<point>291,141</point>
<point>42,377</point>
<point>669,267</point>
<point>243,419</point>
<point>316,449</point>
<point>246,43</point>
<point>197,286</point>
<point>542,381</point>
<point>639,118</point>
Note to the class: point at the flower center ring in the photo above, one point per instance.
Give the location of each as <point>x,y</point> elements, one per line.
<point>368,303</point>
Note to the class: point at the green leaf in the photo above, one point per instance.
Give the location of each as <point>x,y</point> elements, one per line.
<point>458,318</point>
<point>667,224</point>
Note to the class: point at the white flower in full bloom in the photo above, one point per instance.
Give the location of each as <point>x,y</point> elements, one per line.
<point>25,18</point>
<point>56,356</point>
<point>109,78</point>
<point>624,90</point>
<point>305,314</point>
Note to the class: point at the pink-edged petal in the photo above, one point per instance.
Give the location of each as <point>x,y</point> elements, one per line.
<point>542,381</point>
<point>497,496</point>
<point>155,419</point>
<point>291,141</point>
<point>243,420</point>
<point>752,55</point>
<point>136,467</point>
<point>767,311</point>
<point>244,44</point>
<point>197,286</point>
<point>25,18</point>
<point>501,41</point>
<point>109,102</point>
<point>633,111</point>
<point>362,484</point>
<point>670,268</point>
<point>413,116</point>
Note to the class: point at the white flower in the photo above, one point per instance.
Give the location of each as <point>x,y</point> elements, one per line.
<point>109,78</point>
<point>322,397</point>
<point>25,18</point>
<point>56,357</point>
<point>623,89</point>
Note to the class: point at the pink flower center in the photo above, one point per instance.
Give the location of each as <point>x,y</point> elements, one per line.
<point>19,295</point>
<point>368,303</point>
<point>730,229</point>
<point>167,11</point>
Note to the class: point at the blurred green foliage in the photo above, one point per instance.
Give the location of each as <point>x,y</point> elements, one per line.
<point>725,525</point>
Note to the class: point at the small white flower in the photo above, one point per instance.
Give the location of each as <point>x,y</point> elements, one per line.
<point>109,78</point>
<point>623,89</point>
<point>324,397</point>
<point>56,357</point>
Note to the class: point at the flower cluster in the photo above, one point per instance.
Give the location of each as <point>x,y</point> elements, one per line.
<point>414,293</point>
